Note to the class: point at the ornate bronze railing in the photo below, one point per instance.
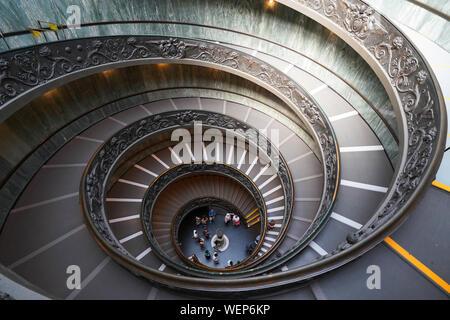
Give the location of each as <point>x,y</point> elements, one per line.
<point>417,101</point>
<point>111,152</point>
<point>181,171</point>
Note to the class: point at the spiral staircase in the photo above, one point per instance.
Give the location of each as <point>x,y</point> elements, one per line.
<point>343,135</point>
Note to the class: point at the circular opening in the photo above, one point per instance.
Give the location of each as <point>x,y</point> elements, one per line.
<point>215,236</point>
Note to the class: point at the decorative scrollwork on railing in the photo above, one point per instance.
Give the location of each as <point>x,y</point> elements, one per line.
<point>416,93</point>
<point>185,170</point>
<point>104,161</point>
<point>27,69</point>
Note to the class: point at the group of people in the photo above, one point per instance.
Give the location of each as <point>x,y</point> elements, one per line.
<point>203,222</point>
<point>232,217</point>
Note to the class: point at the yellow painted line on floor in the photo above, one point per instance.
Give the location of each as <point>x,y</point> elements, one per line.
<point>253,223</point>
<point>447,98</point>
<point>419,265</point>
<point>253,218</point>
<point>250,214</point>
<point>441,186</point>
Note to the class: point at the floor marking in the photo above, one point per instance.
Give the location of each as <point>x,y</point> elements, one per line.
<point>241,161</point>
<point>302,219</point>
<point>307,199</point>
<point>271,191</point>
<point>160,161</point>
<point>265,183</point>
<point>45,247</point>
<point>274,233</point>
<point>441,186</point>
<point>363,186</point>
<point>205,155</point>
<point>317,291</point>
<point>89,139</point>
<point>89,278</point>
<point>275,209</point>
<point>275,200</point>
<point>317,248</point>
<point>286,139</point>
<point>173,104</point>
<point>118,121</point>
<point>230,154</point>
<point>162,267</point>
<point>300,157</point>
<point>318,89</point>
<point>252,165</point>
<point>200,104</point>
<point>288,68</point>
<point>136,216</point>
<point>308,178</point>
<point>361,149</point>
<point>175,155</point>
<point>190,151</point>
<point>293,237</point>
<point>269,123</point>
<point>131,236</point>
<point>140,185</point>
<point>69,165</point>
<point>261,172</point>
<point>419,265</point>
<point>251,213</point>
<point>224,110</point>
<point>143,254</point>
<point>145,170</point>
<point>152,294</point>
<point>122,200</point>
<point>276,217</point>
<point>343,116</point>
<point>346,221</point>
<point>37,204</point>
<point>146,110</point>
<point>247,114</point>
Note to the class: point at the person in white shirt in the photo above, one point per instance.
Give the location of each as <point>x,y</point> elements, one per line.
<point>227,218</point>
<point>236,220</point>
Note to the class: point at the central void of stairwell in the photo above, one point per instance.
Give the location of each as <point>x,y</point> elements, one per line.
<point>239,237</point>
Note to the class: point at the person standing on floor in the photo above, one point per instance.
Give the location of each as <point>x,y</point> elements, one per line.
<point>236,220</point>
<point>216,257</point>
<point>212,215</point>
<point>227,218</point>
